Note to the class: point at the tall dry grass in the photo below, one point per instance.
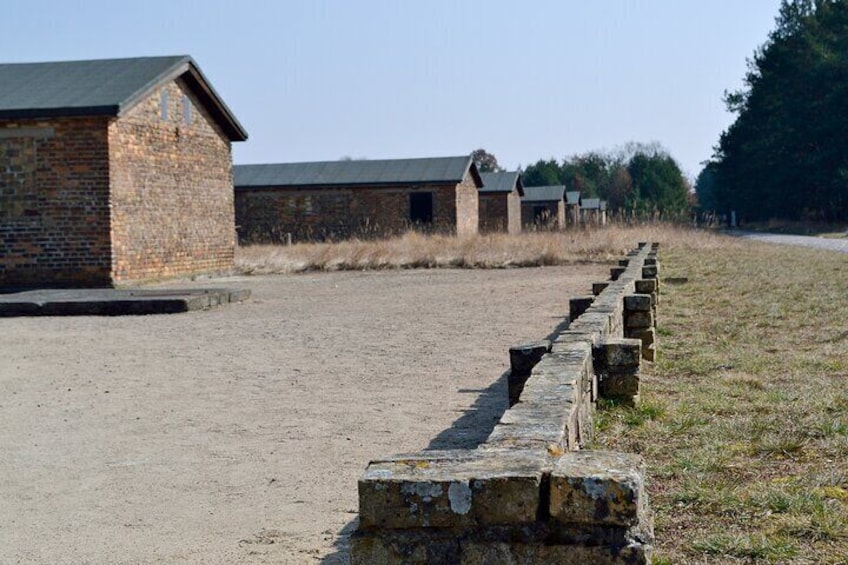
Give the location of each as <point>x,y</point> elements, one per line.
<point>490,251</point>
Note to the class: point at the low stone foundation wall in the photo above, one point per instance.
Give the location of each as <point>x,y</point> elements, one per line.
<point>530,493</point>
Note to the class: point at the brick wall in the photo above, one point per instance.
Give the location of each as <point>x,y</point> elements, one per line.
<point>54,202</point>
<point>493,212</point>
<point>98,201</point>
<point>264,216</point>
<point>318,213</point>
<point>555,214</point>
<point>172,195</point>
<point>500,211</point>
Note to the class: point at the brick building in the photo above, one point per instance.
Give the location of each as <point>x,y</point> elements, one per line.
<point>369,198</point>
<point>572,208</point>
<point>113,171</point>
<point>543,207</point>
<point>594,212</point>
<point>500,202</point>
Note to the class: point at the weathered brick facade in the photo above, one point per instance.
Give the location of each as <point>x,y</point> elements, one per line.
<point>106,200</point>
<point>172,195</point>
<point>500,211</point>
<point>543,215</point>
<point>332,212</point>
<point>54,202</point>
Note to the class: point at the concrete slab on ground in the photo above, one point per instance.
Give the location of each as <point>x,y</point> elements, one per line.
<point>115,302</point>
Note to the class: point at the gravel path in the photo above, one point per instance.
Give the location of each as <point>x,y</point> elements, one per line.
<point>801,240</point>
<point>236,435</point>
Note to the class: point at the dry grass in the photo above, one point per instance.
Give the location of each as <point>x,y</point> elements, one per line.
<point>416,250</point>
<point>744,420</point>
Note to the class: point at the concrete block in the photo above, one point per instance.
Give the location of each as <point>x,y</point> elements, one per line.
<point>650,271</point>
<point>412,547</point>
<point>578,305</point>
<point>616,272</point>
<point>566,339</point>
<point>599,488</point>
<point>646,286</point>
<point>617,353</point>
<point>487,552</point>
<point>647,336</point>
<point>239,295</point>
<point>622,386</point>
<point>585,425</point>
<point>550,435</point>
<point>639,319</point>
<point>638,303</point>
<point>551,390</point>
<point>522,359</point>
<point>593,322</point>
<point>598,287</point>
<point>449,489</point>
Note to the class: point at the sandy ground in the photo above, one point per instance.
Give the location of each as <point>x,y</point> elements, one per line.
<point>236,435</point>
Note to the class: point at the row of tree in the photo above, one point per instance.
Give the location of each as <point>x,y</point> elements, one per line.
<point>786,155</point>
<point>636,180</point>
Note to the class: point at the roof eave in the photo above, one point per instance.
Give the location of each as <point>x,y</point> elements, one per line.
<point>190,72</point>
<point>392,184</point>
<point>203,89</point>
<point>475,173</point>
<point>64,112</point>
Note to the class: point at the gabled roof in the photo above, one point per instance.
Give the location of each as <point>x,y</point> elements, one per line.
<point>104,87</point>
<point>503,181</point>
<point>543,193</point>
<point>434,170</point>
<point>572,197</point>
<point>592,204</point>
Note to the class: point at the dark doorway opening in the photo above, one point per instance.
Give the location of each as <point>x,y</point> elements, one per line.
<point>421,207</point>
<point>541,214</point>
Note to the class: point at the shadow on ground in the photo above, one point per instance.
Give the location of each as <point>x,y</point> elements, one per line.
<point>467,432</point>
<point>474,426</point>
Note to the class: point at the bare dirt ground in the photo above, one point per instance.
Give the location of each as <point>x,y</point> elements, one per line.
<point>236,435</point>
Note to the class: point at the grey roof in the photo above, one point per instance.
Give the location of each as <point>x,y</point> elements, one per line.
<point>543,193</point>
<point>104,87</point>
<point>572,197</point>
<point>591,204</point>
<point>503,181</point>
<point>434,170</point>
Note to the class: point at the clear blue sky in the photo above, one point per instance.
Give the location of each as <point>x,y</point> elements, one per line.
<point>320,80</point>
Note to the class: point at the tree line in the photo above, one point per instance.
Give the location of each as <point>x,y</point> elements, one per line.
<point>786,154</point>
<point>638,180</point>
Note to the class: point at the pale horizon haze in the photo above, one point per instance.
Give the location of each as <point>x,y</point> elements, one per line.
<point>324,80</point>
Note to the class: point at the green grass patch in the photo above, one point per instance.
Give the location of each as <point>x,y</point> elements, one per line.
<point>744,417</point>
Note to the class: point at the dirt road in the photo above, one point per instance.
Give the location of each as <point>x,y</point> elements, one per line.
<point>236,435</point>
<point>801,240</point>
